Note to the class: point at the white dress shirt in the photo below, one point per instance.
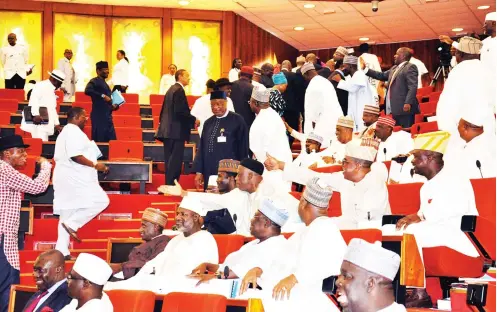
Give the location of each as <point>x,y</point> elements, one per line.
<point>233,74</point>
<point>422,70</point>
<point>14,60</point>
<point>202,110</point>
<point>166,82</point>
<point>120,74</point>
<point>101,305</point>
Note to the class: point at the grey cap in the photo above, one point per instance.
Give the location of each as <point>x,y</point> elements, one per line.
<point>317,193</point>
<point>274,211</point>
<point>260,94</point>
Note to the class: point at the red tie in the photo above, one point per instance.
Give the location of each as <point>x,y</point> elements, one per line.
<point>34,303</point>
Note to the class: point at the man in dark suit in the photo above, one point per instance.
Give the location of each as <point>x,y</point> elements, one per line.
<point>342,95</point>
<point>241,91</point>
<point>175,125</point>
<point>49,275</point>
<point>402,86</point>
<point>292,97</point>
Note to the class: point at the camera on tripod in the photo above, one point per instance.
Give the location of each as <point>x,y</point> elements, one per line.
<point>444,53</point>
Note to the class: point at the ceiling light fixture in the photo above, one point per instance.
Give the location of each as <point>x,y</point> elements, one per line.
<point>364,39</point>
<point>329,11</point>
<point>430,1</point>
<point>457,29</point>
<point>483,7</point>
<point>309,6</point>
<point>183,2</point>
<point>298,28</point>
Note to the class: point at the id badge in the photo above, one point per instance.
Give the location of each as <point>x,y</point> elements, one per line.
<point>221,139</point>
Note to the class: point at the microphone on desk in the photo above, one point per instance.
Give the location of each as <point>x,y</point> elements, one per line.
<point>478,164</point>
<point>385,152</point>
<point>226,272</point>
<point>234,220</point>
<point>412,172</point>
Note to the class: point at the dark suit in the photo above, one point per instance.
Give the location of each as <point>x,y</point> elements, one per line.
<point>241,92</point>
<point>292,98</point>
<point>267,81</point>
<point>102,125</point>
<point>174,129</point>
<point>342,95</point>
<point>402,90</point>
<point>56,301</point>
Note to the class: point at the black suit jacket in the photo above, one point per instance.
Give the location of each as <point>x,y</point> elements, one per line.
<point>342,95</point>
<point>57,300</point>
<point>241,91</point>
<point>175,118</point>
<point>403,88</point>
<point>291,95</point>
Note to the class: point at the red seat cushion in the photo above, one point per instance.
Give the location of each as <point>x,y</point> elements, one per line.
<point>443,261</point>
<point>132,300</point>
<point>227,244</point>
<point>404,198</point>
<point>156,99</point>
<point>187,302</point>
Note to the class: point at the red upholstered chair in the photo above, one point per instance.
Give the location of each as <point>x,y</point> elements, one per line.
<point>125,150</point>
<point>129,134</point>
<point>35,146</point>
<point>156,99</point>
<point>132,98</point>
<point>227,244</point>
<point>156,108</point>
<point>424,127</point>
<point>4,117</point>
<point>191,100</point>
<point>485,198</point>
<point>86,105</point>
<point>425,91</point>
<point>9,105</point>
<point>369,235</point>
<point>428,109</point>
<point>82,97</point>
<point>132,300</point>
<point>404,198</point>
<point>127,121</point>
<point>434,96</point>
<point>129,109</point>
<point>30,166</point>
<point>21,132</point>
<point>16,94</point>
<point>186,302</point>
<point>60,97</point>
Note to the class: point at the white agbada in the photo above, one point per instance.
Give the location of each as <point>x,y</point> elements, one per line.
<point>256,83</point>
<point>14,60</point>
<point>313,254</point>
<point>101,305</point>
<point>233,74</point>
<point>363,204</point>
<point>43,95</point>
<point>120,73</point>
<point>166,82</point>
<point>372,62</point>
<point>267,135</point>
<point>361,93</point>
<point>69,83</point>
<point>73,182</point>
<point>304,159</point>
<point>202,110</point>
<point>488,58</point>
<point>444,200</point>
<point>397,143</point>
<point>422,70</point>
<point>322,108</point>
<point>179,258</point>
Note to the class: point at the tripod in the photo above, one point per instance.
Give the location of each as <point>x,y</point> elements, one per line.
<point>444,69</point>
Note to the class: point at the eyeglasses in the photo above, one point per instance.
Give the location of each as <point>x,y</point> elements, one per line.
<point>70,277</point>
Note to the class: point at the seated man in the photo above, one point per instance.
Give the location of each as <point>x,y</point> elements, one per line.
<point>445,198</point>
<point>153,223</point>
<point>50,278</point>
<point>366,275</point>
<point>256,256</point>
<point>294,282</point>
<point>85,284</point>
<point>370,117</point>
<point>226,175</point>
<point>182,254</point>
<point>362,184</point>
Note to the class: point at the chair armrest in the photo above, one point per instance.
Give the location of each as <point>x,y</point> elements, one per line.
<point>391,219</point>
<point>468,223</point>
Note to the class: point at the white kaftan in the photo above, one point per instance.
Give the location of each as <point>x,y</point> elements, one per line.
<point>268,136</point>
<point>422,70</point>
<point>372,62</point>
<point>202,110</point>
<point>43,95</point>
<point>120,74</point>
<point>69,83</point>
<point>14,60</point>
<point>166,82</point>
<point>322,108</point>
<point>488,58</point>
<point>101,305</point>
<point>233,74</point>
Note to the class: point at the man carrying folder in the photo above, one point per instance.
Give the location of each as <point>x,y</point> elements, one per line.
<point>102,125</point>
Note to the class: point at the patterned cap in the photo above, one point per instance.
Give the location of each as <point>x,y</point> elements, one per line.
<point>315,137</point>
<point>387,120</point>
<point>228,165</point>
<point>257,70</point>
<point>346,121</point>
<point>260,94</point>
<point>342,51</point>
<point>274,211</point>
<point>468,45</point>
<point>367,150</point>
<point>307,67</point>
<point>247,70</point>
<point>371,142</point>
<point>155,216</point>
<point>432,141</point>
<point>372,109</point>
<point>317,193</point>
<point>350,59</point>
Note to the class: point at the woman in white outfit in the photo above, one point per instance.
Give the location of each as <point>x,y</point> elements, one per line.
<point>120,74</point>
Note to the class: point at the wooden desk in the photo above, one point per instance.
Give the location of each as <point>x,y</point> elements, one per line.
<point>128,172</point>
<point>155,152</point>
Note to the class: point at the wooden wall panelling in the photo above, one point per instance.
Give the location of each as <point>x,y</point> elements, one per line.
<point>47,40</point>
<point>75,8</point>
<point>22,5</point>
<point>227,42</point>
<point>167,40</point>
<point>197,15</point>
<point>108,41</point>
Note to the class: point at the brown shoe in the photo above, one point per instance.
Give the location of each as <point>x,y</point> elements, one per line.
<point>419,298</point>
<point>71,232</point>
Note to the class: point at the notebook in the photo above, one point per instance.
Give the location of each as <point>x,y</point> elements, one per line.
<point>117,98</point>
<point>28,117</point>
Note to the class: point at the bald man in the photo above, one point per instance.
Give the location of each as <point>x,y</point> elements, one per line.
<point>48,272</point>
<point>69,84</point>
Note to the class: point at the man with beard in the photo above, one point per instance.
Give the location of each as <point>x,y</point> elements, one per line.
<point>226,175</point>
<point>370,117</point>
<point>365,280</point>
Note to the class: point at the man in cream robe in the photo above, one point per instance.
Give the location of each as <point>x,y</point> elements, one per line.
<point>488,56</point>
<point>69,84</point>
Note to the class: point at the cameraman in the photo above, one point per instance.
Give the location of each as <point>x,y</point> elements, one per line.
<point>447,40</point>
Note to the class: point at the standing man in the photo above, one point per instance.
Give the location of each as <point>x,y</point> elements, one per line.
<point>51,282</point>
<point>225,136</point>
<point>236,67</point>
<point>12,185</point>
<point>75,177</point>
<point>342,95</point>
<point>292,96</point>
<point>241,90</point>
<point>168,80</point>
<point>371,61</point>
<point>69,84</point>
<point>422,70</point>
<point>488,57</point>
<point>267,75</point>
<point>43,95</point>
<point>402,86</point>
<point>14,59</point>
<point>339,54</point>
<point>102,125</point>
<point>175,125</point>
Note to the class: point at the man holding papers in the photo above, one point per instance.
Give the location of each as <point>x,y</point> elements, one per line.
<point>102,126</point>
<point>78,197</point>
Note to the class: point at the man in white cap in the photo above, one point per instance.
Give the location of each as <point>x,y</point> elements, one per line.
<point>182,254</point>
<point>445,198</point>
<point>310,154</point>
<point>488,55</point>
<point>268,136</point>
<point>85,285</point>
<point>255,257</point>
<point>476,155</point>
<point>340,53</point>
<point>361,92</point>
<point>365,280</point>
<point>295,280</point>
<point>322,108</point>
<point>370,116</point>
<point>365,200</point>
<point>43,96</point>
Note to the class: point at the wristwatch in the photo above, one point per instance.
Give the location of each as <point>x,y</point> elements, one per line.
<point>103,95</point>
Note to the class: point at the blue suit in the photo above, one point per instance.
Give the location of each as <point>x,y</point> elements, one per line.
<point>102,125</point>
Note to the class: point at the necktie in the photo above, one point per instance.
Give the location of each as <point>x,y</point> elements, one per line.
<point>34,303</point>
